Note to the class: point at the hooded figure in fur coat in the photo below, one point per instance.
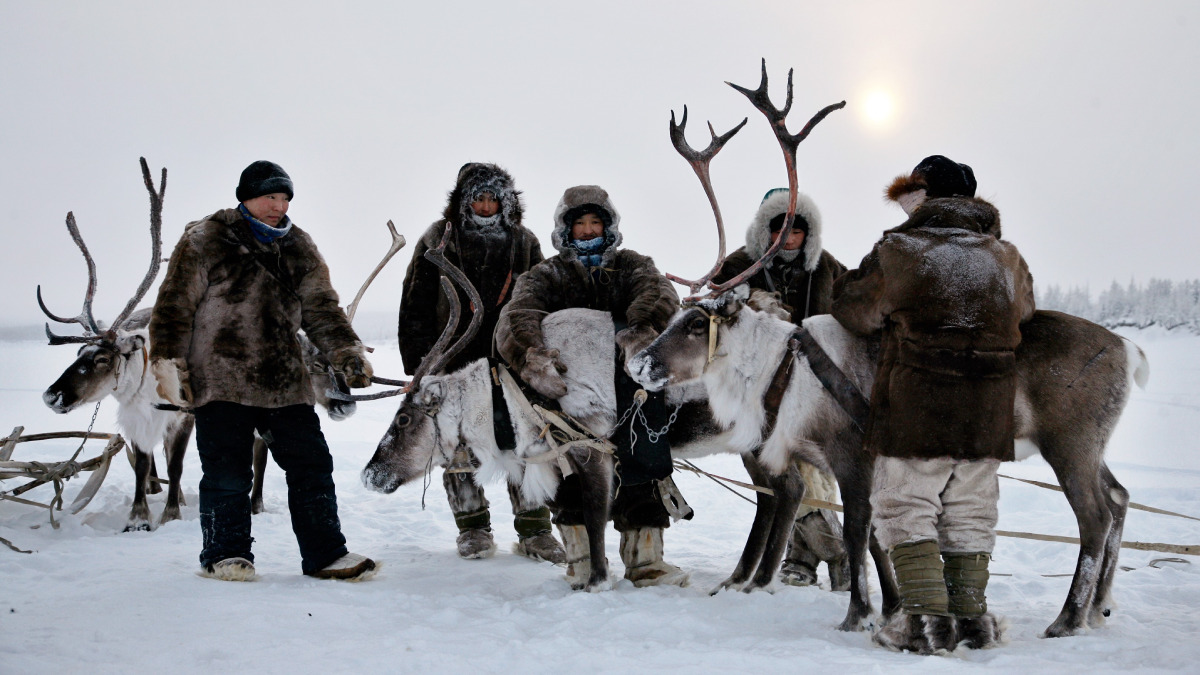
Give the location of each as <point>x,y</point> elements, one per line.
<point>949,297</point>
<point>592,271</point>
<point>223,335</point>
<point>489,244</point>
<point>801,276</point>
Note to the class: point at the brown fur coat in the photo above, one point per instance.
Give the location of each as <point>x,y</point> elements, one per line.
<point>230,308</point>
<point>492,258</point>
<point>949,296</point>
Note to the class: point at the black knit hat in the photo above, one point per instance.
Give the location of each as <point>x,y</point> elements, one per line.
<point>263,178</point>
<point>945,178</point>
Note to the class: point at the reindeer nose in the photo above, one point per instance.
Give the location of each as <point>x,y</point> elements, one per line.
<point>53,400</point>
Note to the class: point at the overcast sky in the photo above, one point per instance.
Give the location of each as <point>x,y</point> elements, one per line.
<point>1080,120</point>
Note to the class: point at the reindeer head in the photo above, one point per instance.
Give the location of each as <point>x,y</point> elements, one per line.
<point>114,359</point>
<point>689,343</point>
<point>409,446</point>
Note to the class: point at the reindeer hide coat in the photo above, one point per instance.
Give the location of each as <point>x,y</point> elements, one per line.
<point>231,307</point>
<point>949,296</point>
<point>491,257</point>
<point>626,284</point>
<point>805,284</point>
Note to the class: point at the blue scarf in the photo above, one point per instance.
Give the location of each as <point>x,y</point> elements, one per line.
<point>590,251</point>
<point>263,232</point>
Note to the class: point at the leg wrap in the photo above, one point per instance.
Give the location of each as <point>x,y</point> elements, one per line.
<point>919,573</point>
<point>966,577</point>
<point>474,520</point>
<point>532,523</point>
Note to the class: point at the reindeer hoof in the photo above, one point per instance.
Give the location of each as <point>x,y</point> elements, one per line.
<point>141,526</point>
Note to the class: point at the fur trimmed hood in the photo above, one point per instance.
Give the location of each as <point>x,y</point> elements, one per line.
<point>475,178</point>
<point>581,195</point>
<point>758,234</point>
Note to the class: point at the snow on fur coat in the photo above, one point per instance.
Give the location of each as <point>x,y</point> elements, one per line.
<point>230,307</point>
<point>627,285</point>
<point>805,284</point>
<point>949,296</point>
<point>491,257</point>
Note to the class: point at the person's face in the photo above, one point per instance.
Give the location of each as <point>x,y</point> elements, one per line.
<point>587,226</point>
<point>485,205</point>
<point>270,209</point>
<point>793,242</point>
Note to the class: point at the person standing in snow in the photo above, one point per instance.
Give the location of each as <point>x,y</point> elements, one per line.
<point>489,244</point>
<point>948,296</point>
<point>223,339</point>
<point>592,271</point>
<point>801,275</point>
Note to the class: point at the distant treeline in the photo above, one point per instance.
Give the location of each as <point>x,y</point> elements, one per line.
<point>1161,302</point>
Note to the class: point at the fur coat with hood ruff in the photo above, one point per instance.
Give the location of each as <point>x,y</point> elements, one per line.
<point>805,283</point>
<point>949,296</point>
<point>230,308</point>
<point>626,284</point>
<point>492,255</point>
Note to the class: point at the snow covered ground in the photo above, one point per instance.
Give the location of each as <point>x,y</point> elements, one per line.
<point>93,599</point>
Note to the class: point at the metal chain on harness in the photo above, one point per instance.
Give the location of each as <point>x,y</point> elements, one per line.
<point>635,409</point>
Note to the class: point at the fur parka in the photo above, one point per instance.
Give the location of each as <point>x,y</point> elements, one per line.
<point>805,283</point>
<point>230,308</point>
<point>949,296</point>
<point>492,256</point>
<point>626,284</point>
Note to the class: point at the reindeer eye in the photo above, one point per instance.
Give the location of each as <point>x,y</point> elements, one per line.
<point>403,420</point>
<point>102,359</point>
<point>698,324</point>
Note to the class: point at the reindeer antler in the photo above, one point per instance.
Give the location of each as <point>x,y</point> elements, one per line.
<point>84,318</point>
<point>700,162</point>
<point>397,244</point>
<point>778,119</point>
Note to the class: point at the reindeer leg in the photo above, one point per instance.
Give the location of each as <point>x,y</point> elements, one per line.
<point>789,491</point>
<point>1081,484</point>
<point>139,513</point>
<point>260,470</point>
<point>764,513</point>
<point>1117,500</point>
<point>595,480</point>
<point>887,578</point>
<point>854,482</point>
<point>175,445</point>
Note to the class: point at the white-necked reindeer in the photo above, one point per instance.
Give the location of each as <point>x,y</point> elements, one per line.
<point>1073,380</point>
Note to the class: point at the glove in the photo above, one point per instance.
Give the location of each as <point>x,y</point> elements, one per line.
<point>541,371</point>
<point>632,340</point>
<point>173,383</point>
<point>353,364</point>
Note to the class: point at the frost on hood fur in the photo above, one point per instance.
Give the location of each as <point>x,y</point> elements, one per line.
<point>758,234</point>
<point>475,178</point>
<point>580,195</point>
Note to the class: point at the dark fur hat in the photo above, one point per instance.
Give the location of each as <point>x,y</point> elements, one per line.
<point>263,178</point>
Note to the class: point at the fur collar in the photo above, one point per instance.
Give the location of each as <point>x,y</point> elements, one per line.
<point>758,234</point>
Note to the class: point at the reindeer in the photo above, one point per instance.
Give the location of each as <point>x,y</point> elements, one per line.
<point>114,361</point>
<point>1074,378</point>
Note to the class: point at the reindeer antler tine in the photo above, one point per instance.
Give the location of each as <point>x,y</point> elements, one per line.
<point>50,314</point>
<point>398,243</point>
<point>156,200</point>
<point>85,318</point>
<point>433,360</point>
<point>437,257</point>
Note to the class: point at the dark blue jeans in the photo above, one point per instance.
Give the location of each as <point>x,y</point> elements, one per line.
<point>225,440</point>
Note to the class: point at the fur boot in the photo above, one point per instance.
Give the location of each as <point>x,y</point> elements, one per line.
<point>230,569</point>
<point>350,567</point>
<point>642,553</point>
<point>534,538</point>
<point>966,577</point>
<point>475,544</point>
<point>816,537</point>
<point>578,555</point>
<point>920,633</point>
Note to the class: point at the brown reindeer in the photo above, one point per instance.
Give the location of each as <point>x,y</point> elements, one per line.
<point>788,392</point>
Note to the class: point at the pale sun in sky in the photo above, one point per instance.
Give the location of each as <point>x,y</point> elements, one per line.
<point>878,108</point>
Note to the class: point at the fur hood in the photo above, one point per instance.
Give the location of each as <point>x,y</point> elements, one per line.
<point>474,178</point>
<point>579,196</point>
<point>758,234</point>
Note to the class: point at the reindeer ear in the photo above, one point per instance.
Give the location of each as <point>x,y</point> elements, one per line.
<point>129,343</point>
<point>732,300</point>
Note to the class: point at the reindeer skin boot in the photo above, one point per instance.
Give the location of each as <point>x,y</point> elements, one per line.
<point>475,539</point>
<point>642,553</point>
<point>535,539</point>
<point>925,625</point>
<point>966,577</point>
<point>578,555</point>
